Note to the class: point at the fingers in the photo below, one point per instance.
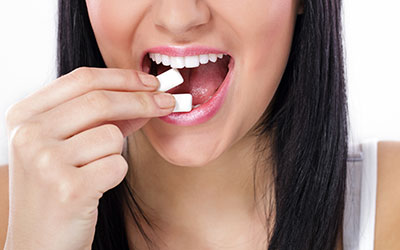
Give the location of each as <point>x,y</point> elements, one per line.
<point>77,83</point>
<point>93,144</point>
<point>96,107</point>
<point>103,174</point>
<point>127,127</point>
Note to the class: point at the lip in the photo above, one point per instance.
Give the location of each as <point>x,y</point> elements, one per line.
<point>182,51</point>
<point>207,110</point>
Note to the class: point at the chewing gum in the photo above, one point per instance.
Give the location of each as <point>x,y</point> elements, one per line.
<point>170,79</point>
<point>183,102</point>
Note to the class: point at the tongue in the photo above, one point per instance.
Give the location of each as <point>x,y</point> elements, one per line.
<point>201,82</point>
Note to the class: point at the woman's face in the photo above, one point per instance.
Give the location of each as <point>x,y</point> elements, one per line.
<point>256,34</point>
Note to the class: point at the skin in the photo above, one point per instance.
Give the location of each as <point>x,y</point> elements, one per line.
<point>387,205</point>
<point>218,155</point>
<point>66,139</point>
<point>124,29</point>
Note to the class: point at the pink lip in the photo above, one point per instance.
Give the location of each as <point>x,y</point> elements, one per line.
<point>205,111</point>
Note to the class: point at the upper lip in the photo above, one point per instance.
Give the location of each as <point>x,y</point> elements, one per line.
<point>183,51</point>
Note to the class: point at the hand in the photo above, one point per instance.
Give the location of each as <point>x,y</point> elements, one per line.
<point>65,144</point>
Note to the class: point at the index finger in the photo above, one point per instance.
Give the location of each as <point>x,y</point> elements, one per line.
<point>81,81</point>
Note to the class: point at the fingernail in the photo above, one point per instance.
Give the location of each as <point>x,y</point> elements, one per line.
<point>149,80</point>
<point>164,100</point>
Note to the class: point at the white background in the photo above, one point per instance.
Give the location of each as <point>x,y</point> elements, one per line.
<point>372,39</point>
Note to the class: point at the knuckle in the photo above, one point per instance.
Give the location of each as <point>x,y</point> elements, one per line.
<point>98,100</point>
<point>44,166</point>
<point>114,133</point>
<point>136,76</point>
<point>144,102</point>
<point>10,112</point>
<point>24,134</point>
<point>81,78</point>
<point>10,115</point>
<point>67,191</point>
<point>125,77</point>
<point>121,165</point>
<point>82,74</point>
<point>46,156</point>
<point>115,137</point>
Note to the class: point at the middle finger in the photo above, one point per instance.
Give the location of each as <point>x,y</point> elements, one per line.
<point>97,107</point>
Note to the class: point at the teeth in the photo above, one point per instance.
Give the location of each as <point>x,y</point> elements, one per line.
<point>204,59</point>
<point>192,61</point>
<point>158,58</point>
<point>177,62</point>
<point>212,57</point>
<point>180,62</point>
<point>166,60</point>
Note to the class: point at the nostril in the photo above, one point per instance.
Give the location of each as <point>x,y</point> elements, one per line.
<point>179,17</point>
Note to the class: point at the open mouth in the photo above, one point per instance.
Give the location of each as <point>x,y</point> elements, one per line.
<point>203,74</point>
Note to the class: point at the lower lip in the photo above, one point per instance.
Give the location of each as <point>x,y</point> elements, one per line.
<point>205,111</point>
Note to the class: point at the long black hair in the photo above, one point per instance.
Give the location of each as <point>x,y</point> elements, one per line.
<point>306,125</point>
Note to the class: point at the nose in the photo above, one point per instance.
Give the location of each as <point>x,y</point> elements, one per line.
<point>180,16</point>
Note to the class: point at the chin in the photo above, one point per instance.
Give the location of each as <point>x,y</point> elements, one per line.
<point>184,160</point>
<point>188,153</point>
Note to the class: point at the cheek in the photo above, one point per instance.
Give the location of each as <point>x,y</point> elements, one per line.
<point>113,23</point>
<point>107,21</point>
<point>270,35</point>
<point>268,39</point>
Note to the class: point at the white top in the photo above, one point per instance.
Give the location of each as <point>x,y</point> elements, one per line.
<point>360,201</point>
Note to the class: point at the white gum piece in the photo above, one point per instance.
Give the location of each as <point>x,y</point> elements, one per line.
<point>169,79</point>
<point>183,102</point>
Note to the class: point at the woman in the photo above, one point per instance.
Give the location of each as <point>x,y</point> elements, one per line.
<point>260,165</point>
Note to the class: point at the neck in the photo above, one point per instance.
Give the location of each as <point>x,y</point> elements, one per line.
<point>220,194</point>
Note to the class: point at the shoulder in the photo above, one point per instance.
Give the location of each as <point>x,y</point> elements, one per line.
<point>387,224</point>
<point>3,204</point>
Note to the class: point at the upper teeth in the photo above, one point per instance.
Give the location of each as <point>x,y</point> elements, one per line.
<point>180,62</point>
